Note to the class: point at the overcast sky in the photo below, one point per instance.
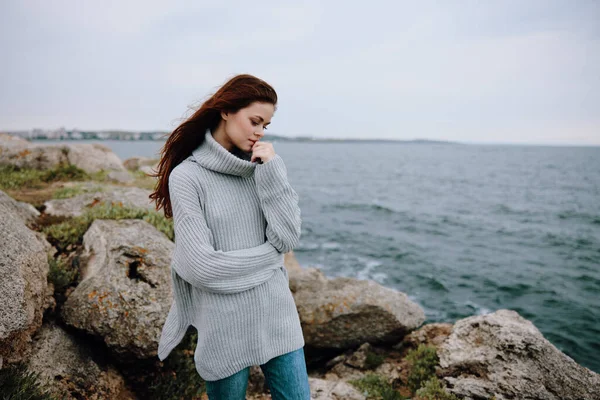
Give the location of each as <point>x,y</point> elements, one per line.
<point>503,71</point>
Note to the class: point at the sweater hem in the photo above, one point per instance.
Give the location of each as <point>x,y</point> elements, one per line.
<point>209,376</point>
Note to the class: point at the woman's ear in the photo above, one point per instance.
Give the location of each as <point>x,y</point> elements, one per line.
<point>224,115</point>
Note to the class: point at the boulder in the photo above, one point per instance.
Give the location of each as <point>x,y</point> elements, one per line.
<point>125,291</point>
<point>342,313</point>
<point>504,355</point>
<point>25,211</point>
<point>23,286</point>
<point>357,364</point>
<point>322,389</point>
<point>90,157</point>
<point>93,157</point>
<point>149,170</point>
<point>7,141</point>
<point>120,176</point>
<point>76,206</point>
<point>66,367</point>
<point>135,163</point>
<point>34,156</point>
<point>430,335</point>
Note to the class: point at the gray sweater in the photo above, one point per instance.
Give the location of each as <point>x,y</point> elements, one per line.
<point>233,222</point>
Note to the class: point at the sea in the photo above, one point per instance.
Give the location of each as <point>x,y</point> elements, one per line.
<point>461,229</point>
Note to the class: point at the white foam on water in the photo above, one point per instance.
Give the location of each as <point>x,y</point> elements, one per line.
<point>365,273</point>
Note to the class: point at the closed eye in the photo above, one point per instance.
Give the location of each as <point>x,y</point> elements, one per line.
<point>256,123</point>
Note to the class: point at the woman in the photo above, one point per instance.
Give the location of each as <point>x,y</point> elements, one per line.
<point>235,215</point>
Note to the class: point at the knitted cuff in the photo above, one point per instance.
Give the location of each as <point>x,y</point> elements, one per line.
<point>271,177</point>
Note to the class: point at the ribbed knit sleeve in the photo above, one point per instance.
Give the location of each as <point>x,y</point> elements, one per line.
<point>279,202</point>
<point>196,260</point>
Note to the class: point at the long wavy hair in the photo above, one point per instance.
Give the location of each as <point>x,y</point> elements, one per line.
<point>237,93</point>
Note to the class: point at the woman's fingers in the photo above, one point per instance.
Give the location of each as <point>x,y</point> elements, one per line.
<point>262,150</point>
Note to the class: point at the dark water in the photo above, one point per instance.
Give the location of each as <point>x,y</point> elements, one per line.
<point>462,230</point>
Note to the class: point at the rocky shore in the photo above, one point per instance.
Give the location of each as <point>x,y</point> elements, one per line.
<point>86,288</point>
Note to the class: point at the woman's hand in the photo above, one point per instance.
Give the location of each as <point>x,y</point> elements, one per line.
<point>262,150</point>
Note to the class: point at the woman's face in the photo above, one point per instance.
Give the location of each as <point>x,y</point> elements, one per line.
<point>248,125</point>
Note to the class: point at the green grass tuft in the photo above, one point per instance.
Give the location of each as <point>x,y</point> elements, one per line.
<point>376,387</point>
<point>72,191</point>
<point>373,360</point>
<point>17,383</point>
<point>67,192</point>
<point>71,230</point>
<point>423,361</point>
<point>433,390</point>
<point>65,172</point>
<point>61,274</point>
<point>12,177</point>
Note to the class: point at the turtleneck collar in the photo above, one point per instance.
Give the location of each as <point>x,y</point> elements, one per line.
<point>212,155</point>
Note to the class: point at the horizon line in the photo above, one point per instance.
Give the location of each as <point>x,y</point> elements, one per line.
<point>448,141</point>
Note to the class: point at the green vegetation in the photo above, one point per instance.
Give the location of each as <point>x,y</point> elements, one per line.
<point>61,274</point>
<point>180,380</point>
<point>433,390</point>
<point>373,360</point>
<point>72,191</point>
<point>68,192</point>
<point>12,177</point>
<point>423,361</point>
<point>71,230</point>
<point>63,172</point>
<point>144,181</point>
<point>17,383</point>
<point>376,387</point>
<point>140,174</point>
<point>100,176</point>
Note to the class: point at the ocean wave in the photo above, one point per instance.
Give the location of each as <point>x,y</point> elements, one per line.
<point>579,216</point>
<point>433,283</point>
<point>573,242</point>
<point>365,273</point>
<point>516,289</point>
<point>363,207</point>
<point>477,308</point>
<point>504,209</point>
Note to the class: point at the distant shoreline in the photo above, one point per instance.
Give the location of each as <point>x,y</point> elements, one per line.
<point>278,138</point>
<point>158,137</point>
<point>381,141</point>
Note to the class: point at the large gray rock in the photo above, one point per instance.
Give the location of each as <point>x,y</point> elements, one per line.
<point>135,163</point>
<point>23,284</point>
<point>120,176</point>
<point>504,355</point>
<point>322,389</point>
<point>433,334</point>
<point>89,157</point>
<point>76,206</point>
<point>94,157</point>
<point>149,170</point>
<point>66,367</point>
<point>125,292</point>
<point>26,212</point>
<point>7,141</point>
<point>34,156</point>
<point>342,313</point>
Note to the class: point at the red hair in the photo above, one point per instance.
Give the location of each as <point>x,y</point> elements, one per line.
<point>237,93</point>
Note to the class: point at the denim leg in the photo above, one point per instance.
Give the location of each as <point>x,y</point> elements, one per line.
<point>230,388</point>
<point>286,376</point>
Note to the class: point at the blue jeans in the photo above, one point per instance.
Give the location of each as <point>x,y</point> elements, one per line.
<point>285,375</point>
